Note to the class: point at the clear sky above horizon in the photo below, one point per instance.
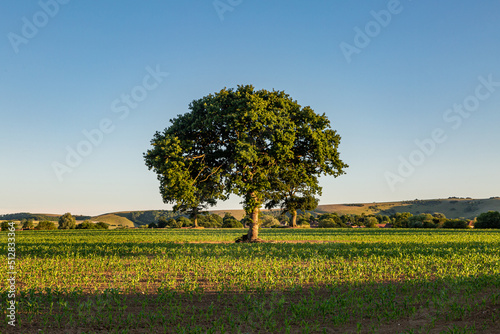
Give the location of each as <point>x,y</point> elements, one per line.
<point>412,87</point>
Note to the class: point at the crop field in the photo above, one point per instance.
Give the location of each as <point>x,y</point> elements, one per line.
<point>199,281</point>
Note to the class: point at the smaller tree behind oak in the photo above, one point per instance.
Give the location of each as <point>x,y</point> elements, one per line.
<point>67,221</point>
<point>259,145</point>
<point>28,224</point>
<point>45,225</point>
<point>490,219</point>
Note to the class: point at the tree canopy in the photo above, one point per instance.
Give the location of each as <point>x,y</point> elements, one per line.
<point>45,225</point>
<point>490,219</point>
<point>260,145</point>
<point>67,221</point>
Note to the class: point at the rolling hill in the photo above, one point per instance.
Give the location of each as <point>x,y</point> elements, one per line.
<point>452,207</point>
<point>113,220</point>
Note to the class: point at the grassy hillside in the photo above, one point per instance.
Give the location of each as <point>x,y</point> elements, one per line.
<point>451,207</point>
<point>113,220</point>
<point>238,214</point>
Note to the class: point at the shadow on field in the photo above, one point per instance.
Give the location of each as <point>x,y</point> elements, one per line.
<point>462,305</point>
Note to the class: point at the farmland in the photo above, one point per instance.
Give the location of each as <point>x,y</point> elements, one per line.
<point>198,281</point>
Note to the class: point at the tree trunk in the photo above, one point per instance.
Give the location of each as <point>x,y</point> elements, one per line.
<point>194,215</point>
<point>294,218</point>
<point>253,232</point>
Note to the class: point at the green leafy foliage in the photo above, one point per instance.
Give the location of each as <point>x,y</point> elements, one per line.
<point>228,221</point>
<point>260,145</point>
<point>490,219</point>
<point>456,223</point>
<point>173,223</point>
<point>401,219</point>
<point>28,224</point>
<point>330,220</point>
<point>46,225</point>
<point>184,221</point>
<point>269,221</point>
<point>422,220</point>
<point>88,225</point>
<point>102,226</point>
<point>162,222</point>
<point>370,222</point>
<point>210,220</point>
<point>304,219</point>
<point>85,225</point>
<point>292,203</point>
<point>147,217</point>
<point>67,221</point>
<point>351,220</point>
<point>233,223</point>
<point>5,225</point>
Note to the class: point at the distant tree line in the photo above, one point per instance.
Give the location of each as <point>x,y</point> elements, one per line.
<point>489,219</point>
<point>211,220</point>
<point>206,220</point>
<point>426,220</point>
<point>65,222</point>
<point>21,216</point>
<point>275,219</point>
<point>333,220</point>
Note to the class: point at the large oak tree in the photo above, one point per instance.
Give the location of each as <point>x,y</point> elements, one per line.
<point>260,145</point>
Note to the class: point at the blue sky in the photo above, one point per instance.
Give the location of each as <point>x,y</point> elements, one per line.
<point>388,74</point>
